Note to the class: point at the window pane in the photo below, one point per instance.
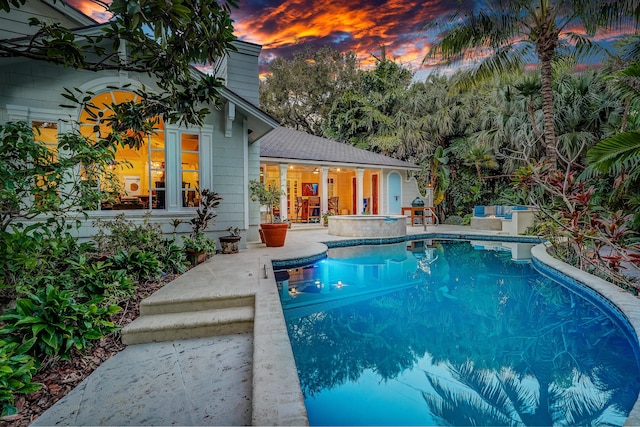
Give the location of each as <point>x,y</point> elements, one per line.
<point>138,174</point>
<point>190,167</point>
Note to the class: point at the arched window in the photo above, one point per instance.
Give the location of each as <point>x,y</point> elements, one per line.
<point>139,173</point>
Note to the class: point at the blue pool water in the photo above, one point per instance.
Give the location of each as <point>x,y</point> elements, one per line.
<point>448,333</point>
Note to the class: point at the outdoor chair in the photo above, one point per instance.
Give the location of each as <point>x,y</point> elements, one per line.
<point>298,208</point>
<point>333,204</point>
<point>313,209</point>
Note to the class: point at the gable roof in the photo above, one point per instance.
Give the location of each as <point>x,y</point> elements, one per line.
<point>292,145</point>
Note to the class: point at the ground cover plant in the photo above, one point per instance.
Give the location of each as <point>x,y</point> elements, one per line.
<point>67,306</point>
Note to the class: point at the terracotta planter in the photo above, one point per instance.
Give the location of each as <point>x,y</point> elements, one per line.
<point>229,244</point>
<point>274,233</point>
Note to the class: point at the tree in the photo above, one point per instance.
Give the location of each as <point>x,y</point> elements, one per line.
<point>479,157</point>
<point>299,92</point>
<point>513,28</point>
<point>370,115</point>
<point>162,39</point>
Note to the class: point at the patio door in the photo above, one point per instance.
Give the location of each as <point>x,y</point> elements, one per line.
<point>394,194</point>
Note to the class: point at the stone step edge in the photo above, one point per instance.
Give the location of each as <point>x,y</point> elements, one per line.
<point>198,324</point>
<point>187,305</point>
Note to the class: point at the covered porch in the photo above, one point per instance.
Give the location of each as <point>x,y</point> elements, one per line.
<point>311,190</point>
<point>318,175</point>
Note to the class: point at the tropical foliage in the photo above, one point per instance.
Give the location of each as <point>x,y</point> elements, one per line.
<point>163,39</point>
<point>300,92</point>
<point>516,31</point>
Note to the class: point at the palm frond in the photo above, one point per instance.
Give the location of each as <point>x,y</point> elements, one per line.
<point>616,149</point>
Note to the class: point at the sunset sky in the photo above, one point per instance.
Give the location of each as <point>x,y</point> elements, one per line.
<point>285,26</point>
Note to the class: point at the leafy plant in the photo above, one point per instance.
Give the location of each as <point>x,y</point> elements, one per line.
<point>142,266</point>
<point>205,212</point>
<point>56,321</point>
<point>199,243</point>
<point>122,234</point>
<point>233,231</point>
<point>268,196</point>
<point>326,215</point>
<point>16,370</point>
<point>196,241</point>
<point>172,258</point>
<point>91,279</point>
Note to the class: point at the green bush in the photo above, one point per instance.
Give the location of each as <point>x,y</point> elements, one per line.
<point>17,368</point>
<point>29,256</point>
<point>142,266</point>
<point>121,235</point>
<point>453,220</point>
<point>91,279</point>
<point>172,257</point>
<point>56,321</point>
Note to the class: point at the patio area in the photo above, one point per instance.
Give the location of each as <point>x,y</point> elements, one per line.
<point>242,376</point>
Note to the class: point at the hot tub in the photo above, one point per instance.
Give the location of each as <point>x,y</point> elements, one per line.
<point>368,225</point>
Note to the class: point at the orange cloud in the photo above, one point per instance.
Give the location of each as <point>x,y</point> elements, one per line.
<point>361,26</point>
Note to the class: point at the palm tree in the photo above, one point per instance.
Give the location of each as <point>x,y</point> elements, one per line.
<point>620,152</point>
<point>513,28</point>
<point>439,174</point>
<point>480,157</point>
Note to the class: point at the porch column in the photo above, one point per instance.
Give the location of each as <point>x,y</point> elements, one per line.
<point>283,186</point>
<point>360,192</point>
<point>324,199</point>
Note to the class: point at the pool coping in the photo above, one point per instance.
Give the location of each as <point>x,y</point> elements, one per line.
<point>623,301</point>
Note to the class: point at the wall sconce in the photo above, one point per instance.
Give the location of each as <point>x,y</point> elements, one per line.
<point>315,171</point>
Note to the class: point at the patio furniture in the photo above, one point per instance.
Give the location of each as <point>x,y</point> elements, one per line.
<point>298,208</point>
<point>418,214</point>
<point>333,204</point>
<point>313,209</point>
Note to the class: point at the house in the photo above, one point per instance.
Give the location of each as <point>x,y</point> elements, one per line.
<point>163,176</point>
<point>348,180</point>
<point>236,143</point>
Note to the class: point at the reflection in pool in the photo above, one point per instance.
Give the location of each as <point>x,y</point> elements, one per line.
<point>444,333</point>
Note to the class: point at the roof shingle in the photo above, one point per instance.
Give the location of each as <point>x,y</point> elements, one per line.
<point>289,144</point>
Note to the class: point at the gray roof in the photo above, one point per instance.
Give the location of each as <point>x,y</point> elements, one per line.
<point>292,145</point>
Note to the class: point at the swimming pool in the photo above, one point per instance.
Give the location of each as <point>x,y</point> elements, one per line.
<point>442,332</point>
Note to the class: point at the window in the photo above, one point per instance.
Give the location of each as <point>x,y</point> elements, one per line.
<point>139,173</point>
<point>46,133</point>
<point>190,155</point>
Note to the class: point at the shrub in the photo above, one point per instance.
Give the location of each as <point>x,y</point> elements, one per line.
<point>142,266</point>
<point>121,235</point>
<point>16,370</point>
<point>172,257</point>
<point>28,256</point>
<point>454,220</point>
<point>91,279</point>
<point>56,321</point>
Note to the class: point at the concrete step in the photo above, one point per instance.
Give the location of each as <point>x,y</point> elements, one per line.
<point>187,325</point>
<point>185,304</point>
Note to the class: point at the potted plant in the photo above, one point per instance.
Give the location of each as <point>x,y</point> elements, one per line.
<point>229,243</point>
<point>197,245</point>
<point>325,217</point>
<point>273,232</point>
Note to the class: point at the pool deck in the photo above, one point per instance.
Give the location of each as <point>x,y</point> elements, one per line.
<point>242,375</point>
